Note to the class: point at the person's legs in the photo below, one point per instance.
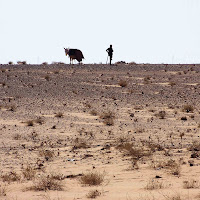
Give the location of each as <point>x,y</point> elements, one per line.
<point>110,59</point>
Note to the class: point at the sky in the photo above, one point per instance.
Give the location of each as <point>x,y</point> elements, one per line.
<point>141,31</point>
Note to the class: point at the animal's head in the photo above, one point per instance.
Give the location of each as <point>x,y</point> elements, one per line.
<point>66,51</point>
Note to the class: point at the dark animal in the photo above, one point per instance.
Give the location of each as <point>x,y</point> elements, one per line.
<point>74,54</point>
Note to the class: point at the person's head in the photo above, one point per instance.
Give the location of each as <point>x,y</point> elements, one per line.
<point>111,46</point>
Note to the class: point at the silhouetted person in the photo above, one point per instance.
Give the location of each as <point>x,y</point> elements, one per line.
<point>110,53</point>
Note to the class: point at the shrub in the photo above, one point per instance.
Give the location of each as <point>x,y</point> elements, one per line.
<point>161,114</point>
<point>92,178</point>
<point>108,118</point>
<point>154,184</point>
<point>93,194</point>
<point>191,184</point>
<point>45,183</point>
<point>3,190</point>
<point>123,83</point>
<point>47,154</point>
<point>80,143</point>
<point>188,108</point>
<point>59,115</point>
<point>30,123</point>
<point>10,177</point>
<point>29,172</point>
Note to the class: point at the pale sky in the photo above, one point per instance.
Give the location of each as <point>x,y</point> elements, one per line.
<point>143,31</point>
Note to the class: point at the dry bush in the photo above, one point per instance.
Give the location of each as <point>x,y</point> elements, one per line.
<point>47,154</point>
<point>174,167</point>
<point>59,115</point>
<point>44,63</point>
<point>30,123</point>
<point>17,136</point>
<point>10,177</point>
<point>134,152</point>
<point>147,79</point>
<point>188,108</point>
<point>29,172</point>
<point>92,178</point>
<point>47,77</point>
<point>108,118</point>
<point>172,83</point>
<point>39,120</point>
<point>195,146</point>
<point>45,183</point>
<point>80,143</point>
<point>191,184</point>
<point>161,114</point>
<point>94,112</point>
<point>154,184</point>
<point>93,194</point>
<point>10,63</point>
<point>123,83</point>
<point>3,190</point>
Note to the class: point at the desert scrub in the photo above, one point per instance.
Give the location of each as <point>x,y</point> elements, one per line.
<point>3,189</point>
<point>45,183</point>
<point>92,178</point>
<point>29,172</point>
<point>47,154</point>
<point>188,108</point>
<point>191,184</point>
<point>10,177</point>
<point>123,83</point>
<point>93,194</point>
<point>80,143</point>
<point>108,118</point>
<point>161,114</point>
<point>30,123</point>
<point>154,184</point>
<point>59,115</point>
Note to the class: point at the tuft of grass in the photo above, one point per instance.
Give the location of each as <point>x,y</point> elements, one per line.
<point>191,184</point>
<point>3,190</point>
<point>29,172</point>
<point>93,194</point>
<point>92,178</point>
<point>30,123</point>
<point>45,183</point>
<point>123,83</point>
<point>10,177</point>
<point>47,77</point>
<point>108,118</point>
<point>161,114</point>
<point>79,143</point>
<point>154,184</point>
<point>94,112</point>
<point>39,120</point>
<point>188,108</point>
<point>47,154</point>
<point>59,115</point>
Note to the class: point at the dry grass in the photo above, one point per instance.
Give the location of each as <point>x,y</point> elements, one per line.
<point>123,83</point>
<point>92,178</point>
<point>29,172</point>
<point>161,114</point>
<point>47,154</point>
<point>3,190</point>
<point>154,184</point>
<point>80,143</point>
<point>45,183</point>
<point>10,177</point>
<point>188,108</point>
<point>108,118</point>
<point>93,194</point>
<point>191,184</point>
<point>59,115</point>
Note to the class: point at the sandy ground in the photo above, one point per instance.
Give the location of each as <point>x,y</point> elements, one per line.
<point>53,123</point>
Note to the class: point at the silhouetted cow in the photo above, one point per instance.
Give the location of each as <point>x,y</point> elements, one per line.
<point>74,54</point>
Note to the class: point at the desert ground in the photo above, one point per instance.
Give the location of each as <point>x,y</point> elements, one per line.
<point>126,131</point>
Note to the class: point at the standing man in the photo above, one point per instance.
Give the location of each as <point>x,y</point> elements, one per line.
<point>110,52</point>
